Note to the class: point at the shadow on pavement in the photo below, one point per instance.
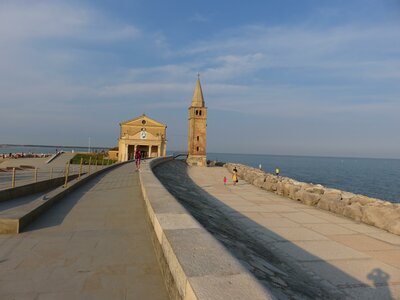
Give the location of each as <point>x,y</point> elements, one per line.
<point>252,245</point>
<point>56,214</point>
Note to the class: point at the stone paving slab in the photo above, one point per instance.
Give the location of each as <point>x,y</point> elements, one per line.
<point>95,244</point>
<point>356,259</point>
<point>329,229</point>
<point>363,242</point>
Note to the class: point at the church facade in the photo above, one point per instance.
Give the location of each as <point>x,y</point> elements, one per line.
<point>197,131</point>
<point>145,134</point>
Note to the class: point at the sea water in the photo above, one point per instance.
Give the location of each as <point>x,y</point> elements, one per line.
<point>377,178</point>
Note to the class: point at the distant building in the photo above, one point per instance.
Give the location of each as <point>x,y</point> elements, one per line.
<point>113,153</point>
<point>145,134</point>
<point>197,129</point>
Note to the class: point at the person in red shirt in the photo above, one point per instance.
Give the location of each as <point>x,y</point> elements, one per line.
<point>138,156</point>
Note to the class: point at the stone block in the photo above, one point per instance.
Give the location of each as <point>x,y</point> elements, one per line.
<point>346,197</point>
<point>330,200</point>
<point>279,188</point>
<point>269,186</point>
<point>382,217</point>
<point>353,211</point>
<point>298,196</point>
<point>286,189</point>
<point>293,190</point>
<point>363,200</point>
<point>323,203</point>
<point>199,254</point>
<point>232,287</point>
<point>317,189</point>
<point>311,199</point>
<point>177,221</point>
<point>394,226</point>
<point>273,179</point>
<point>259,181</point>
<point>251,175</point>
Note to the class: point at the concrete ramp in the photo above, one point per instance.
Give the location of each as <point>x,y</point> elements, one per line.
<point>61,159</point>
<point>94,244</point>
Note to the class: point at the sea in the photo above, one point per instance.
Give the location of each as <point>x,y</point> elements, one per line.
<point>6,149</point>
<point>373,177</point>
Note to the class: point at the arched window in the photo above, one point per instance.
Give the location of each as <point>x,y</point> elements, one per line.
<point>200,112</point>
<point>198,138</point>
<point>197,112</point>
<point>197,149</point>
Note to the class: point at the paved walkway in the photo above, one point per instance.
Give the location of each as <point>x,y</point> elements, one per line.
<point>94,244</point>
<point>359,260</point>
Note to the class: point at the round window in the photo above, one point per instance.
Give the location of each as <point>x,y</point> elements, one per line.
<point>143,122</point>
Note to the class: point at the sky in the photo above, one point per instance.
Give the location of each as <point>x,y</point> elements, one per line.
<point>283,77</point>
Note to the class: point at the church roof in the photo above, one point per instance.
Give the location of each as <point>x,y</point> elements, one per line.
<point>198,100</point>
<point>138,122</point>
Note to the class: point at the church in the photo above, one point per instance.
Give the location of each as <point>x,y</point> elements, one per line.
<point>145,134</point>
<point>150,136</point>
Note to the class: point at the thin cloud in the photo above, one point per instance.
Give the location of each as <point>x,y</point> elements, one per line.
<point>48,19</point>
<point>199,18</point>
<point>131,89</point>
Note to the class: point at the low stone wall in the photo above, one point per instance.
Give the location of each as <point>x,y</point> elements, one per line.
<point>194,264</point>
<point>376,212</point>
<point>33,188</point>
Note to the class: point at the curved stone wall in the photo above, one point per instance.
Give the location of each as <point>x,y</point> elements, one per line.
<point>376,212</point>
<point>194,264</point>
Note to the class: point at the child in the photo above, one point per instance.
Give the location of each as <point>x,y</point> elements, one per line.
<point>224,180</point>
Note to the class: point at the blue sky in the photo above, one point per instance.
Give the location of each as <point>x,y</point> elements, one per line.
<point>279,77</point>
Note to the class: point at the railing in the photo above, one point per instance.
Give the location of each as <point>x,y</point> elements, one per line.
<point>176,155</point>
<point>18,176</point>
<point>54,156</point>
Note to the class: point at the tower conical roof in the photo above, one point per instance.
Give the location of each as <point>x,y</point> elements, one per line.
<point>198,100</point>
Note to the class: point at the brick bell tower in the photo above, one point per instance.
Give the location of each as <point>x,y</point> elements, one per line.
<point>197,129</point>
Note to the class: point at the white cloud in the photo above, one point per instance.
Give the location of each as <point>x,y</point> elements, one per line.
<point>349,48</point>
<point>132,89</point>
<point>32,20</point>
<point>199,18</point>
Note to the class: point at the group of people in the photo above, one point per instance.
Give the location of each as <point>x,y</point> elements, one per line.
<point>23,155</point>
<point>235,179</point>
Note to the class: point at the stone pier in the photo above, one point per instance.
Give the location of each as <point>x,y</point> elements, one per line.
<point>294,250</point>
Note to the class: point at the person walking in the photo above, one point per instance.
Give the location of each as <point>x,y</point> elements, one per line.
<point>224,180</point>
<point>138,156</point>
<point>234,176</point>
<point>277,171</point>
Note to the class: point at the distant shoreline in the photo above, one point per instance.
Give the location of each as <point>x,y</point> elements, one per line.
<point>50,146</point>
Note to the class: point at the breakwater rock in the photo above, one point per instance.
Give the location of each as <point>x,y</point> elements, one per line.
<point>375,212</point>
